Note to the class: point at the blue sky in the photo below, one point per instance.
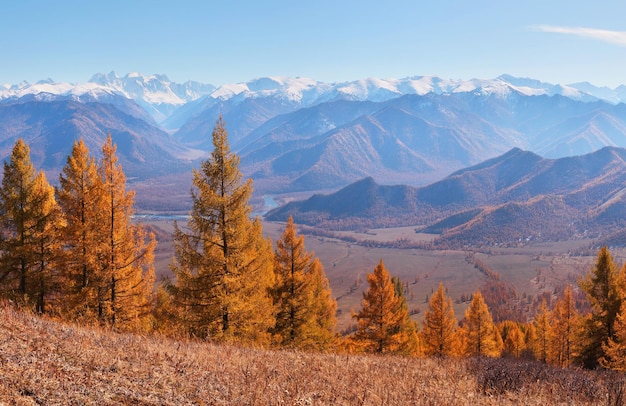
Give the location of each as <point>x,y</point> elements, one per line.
<point>229,41</point>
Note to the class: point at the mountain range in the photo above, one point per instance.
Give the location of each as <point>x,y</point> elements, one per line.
<point>298,134</point>
<point>511,199</point>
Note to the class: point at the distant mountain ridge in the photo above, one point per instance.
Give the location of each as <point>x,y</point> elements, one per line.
<point>511,199</point>
<point>298,134</point>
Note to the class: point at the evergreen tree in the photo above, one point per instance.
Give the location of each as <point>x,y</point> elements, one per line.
<point>127,254</point>
<point>223,266</point>
<point>439,325</point>
<point>302,305</point>
<point>603,292</point>
<point>383,322</point>
<point>81,198</point>
<point>482,336</point>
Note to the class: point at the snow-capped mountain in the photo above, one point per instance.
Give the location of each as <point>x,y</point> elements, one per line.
<point>158,95</point>
<point>302,134</point>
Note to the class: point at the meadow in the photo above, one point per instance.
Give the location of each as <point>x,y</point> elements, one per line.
<point>53,363</point>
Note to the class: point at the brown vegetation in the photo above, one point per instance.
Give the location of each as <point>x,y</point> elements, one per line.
<point>46,362</point>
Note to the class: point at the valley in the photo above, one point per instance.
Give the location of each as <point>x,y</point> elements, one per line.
<point>532,270</point>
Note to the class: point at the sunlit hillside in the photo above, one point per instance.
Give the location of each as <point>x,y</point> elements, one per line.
<point>47,362</point>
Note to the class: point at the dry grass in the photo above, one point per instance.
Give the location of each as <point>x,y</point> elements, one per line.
<point>46,362</point>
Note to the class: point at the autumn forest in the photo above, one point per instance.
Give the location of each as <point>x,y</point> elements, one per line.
<point>75,253</point>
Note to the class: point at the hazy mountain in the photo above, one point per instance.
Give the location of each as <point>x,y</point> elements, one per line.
<point>417,139</point>
<point>50,128</point>
<point>506,200</point>
<point>301,134</point>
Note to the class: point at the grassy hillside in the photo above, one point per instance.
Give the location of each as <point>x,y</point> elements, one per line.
<point>45,362</point>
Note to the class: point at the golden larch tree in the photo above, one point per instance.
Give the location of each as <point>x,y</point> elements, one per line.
<point>541,342</point>
<point>127,254</point>
<point>302,303</point>
<point>615,350</point>
<point>439,325</point>
<point>482,336</point>
<point>564,331</point>
<point>27,208</point>
<point>513,338</point>
<point>223,266</point>
<point>47,245</point>
<point>384,325</point>
<point>81,197</point>
<point>602,286</point>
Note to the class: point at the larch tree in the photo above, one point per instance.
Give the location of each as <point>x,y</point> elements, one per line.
<point>26,208</point>
<point>615,350</point>
<point>564,331</point>
<point>223,266</point>
<point>81,198</point>
<point>439,325</point>
<point>301,294</point>
<point>127,254</point>
<point>482,337</point>
<point>383,323</point>
<point>602,286</point>
<point>321,331</point>
<point>47,243</point>
<point>541,342</point>
<point>513,338</point>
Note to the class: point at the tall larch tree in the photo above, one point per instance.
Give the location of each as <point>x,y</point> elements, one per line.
<point>615,350</point>
<point>299,294</point>
<point>81,197</point>
<point>47,244</point>
<point>602,286</point>
<point>439,326</point>
<point>541,341</point>
<point>564,332</point>
<point>321,331</point>
<point>223,267</point>
<point>482,336</point>
<point>25,207</point>
<point>127,255</point>
<point>383,322</point>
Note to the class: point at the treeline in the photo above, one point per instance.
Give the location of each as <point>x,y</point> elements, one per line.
<point>74,253</point>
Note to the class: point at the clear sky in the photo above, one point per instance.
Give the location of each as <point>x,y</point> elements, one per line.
<point>227,41</point>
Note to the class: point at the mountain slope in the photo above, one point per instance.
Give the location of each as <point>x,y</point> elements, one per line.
<point>509,199</point>
<point>50,127</point>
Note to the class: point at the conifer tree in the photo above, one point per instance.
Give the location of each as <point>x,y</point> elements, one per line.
<point>47,244</point>
<point>439,325</point>
<point>615,350</point>
<point>482,336</point>
<point>81,198</point>
<point>383,322</point>
<point>222,265</point>
<point>564,331</point>
<point>541,342</point>
<point>513,338</point>
<point>28,221</point>
<point>126,257</point>
<point>301,294</point>
<point>601,285</point>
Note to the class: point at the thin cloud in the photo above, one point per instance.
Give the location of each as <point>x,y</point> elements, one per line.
<point>613,37</point>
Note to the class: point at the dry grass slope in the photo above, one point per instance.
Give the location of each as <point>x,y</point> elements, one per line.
<point>46,362</point>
